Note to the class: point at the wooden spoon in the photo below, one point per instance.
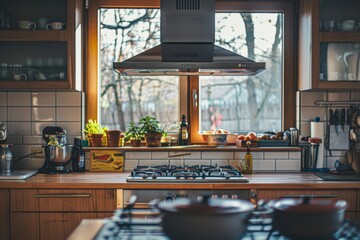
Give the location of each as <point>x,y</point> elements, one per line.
<point>350,157</point>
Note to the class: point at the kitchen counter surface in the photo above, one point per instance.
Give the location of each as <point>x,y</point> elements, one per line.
<point>104,180</point>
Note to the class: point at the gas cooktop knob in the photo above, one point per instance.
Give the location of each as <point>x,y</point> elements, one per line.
<point>234,196</point>
<point>214,196</point>
<point>225,196</point>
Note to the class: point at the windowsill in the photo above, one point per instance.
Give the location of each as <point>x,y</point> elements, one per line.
<point>193,148</point>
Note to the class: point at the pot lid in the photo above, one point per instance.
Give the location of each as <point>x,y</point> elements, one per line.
<point>206,206</point>
<point>307,204</point>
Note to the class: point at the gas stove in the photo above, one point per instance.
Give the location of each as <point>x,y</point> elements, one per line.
<point>188,174</point>
<point>125,225</point>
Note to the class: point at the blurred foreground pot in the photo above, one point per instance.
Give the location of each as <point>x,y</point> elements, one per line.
<point>210,219</point>
<point>307,218</point>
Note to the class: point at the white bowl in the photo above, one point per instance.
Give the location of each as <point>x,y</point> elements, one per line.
<point>348,25</point>
<point>215,139</point>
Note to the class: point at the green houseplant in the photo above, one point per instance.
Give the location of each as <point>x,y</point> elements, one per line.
<point>152,130</point>
<point>134,134</point>
<point>95,131</point>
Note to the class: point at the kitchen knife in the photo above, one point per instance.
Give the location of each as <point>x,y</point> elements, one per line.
<point>348,116</point>
<point>331,116</point>
<point>342,119</point>
<point>336,121</point>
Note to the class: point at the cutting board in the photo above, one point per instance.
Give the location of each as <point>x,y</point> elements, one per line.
<point>338,177</point>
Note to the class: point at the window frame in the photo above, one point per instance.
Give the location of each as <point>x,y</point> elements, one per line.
<point>191,83</point>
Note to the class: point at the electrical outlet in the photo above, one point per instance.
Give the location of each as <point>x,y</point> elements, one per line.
<point>39,152</point>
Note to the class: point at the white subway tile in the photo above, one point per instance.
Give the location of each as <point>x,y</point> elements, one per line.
<point>153,162</point>
<point>3,99</point>
<point>310,113</point>
<point>68,99</point>
<point>184,155</point>
<point>309,98</point>
<point>264,165</point>
<point>29,164</point>
<point>197,162</point>
<point>21,150</point>
<point>276,155</point>
<point>19,128</point>
<point>288,165</point>
<point>234,162</point>
<point>19,114</point>
<point>43,114</point>
<point>15,139</point>
<point>33,140</point>
<point>37,127</point>
<point>217,155</point>
<point>41,99</point>
<point>3,114</point>
<point>130,164</point>
<point>305,129</point>
<point>295,155</point>
<point>176,162</point>
<point>21,99</point>
<point>68,114</point>
<point>138,155</point>
<point>338,96</point>
<point>159,155</point>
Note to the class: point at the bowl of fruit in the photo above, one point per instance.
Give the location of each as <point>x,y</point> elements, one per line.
<point>243,139</point>
<point>215,138</point>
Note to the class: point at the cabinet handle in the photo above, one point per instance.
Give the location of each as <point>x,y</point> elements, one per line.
<point>312,196</point>
<point>87,195</point>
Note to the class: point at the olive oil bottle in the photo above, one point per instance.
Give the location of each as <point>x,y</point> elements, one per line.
<point>183,138</point>
<point>248,158</point>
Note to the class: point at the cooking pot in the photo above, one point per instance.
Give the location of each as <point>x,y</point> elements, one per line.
<point>210,219</point>
<point>307,218</point>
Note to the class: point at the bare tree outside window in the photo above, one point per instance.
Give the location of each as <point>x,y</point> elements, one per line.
<point>234,103</point>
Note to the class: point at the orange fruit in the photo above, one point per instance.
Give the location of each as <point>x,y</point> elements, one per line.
<point>241,137</point>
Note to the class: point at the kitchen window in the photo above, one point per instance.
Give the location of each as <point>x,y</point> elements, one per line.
<point>254,103</point>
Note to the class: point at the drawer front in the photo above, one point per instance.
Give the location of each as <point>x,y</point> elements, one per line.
<point>347,195</point>
<point>53,200</point>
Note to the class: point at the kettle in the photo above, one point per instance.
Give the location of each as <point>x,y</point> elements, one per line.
<point>3,132</point>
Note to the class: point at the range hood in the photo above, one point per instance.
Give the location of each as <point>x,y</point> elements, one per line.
<point>187,46</point>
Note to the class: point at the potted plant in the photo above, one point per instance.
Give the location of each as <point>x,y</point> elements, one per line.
<point>95,131</point>
<point>151,128</point>
<point>134,134</point>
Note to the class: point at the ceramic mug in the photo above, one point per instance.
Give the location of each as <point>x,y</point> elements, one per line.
<point>20,76</point>
<point>27,25</point>
<point>41,23</point>
<point>55,26</point>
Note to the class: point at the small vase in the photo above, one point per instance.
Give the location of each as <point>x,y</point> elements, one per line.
<point>113,137</point>
<point>95,140</point>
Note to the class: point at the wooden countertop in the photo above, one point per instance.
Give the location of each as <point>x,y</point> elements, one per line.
<point>103,180</point>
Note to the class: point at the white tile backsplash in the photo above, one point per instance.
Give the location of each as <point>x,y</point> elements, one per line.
<point>309,98</point>
<point>68,99</point>
<point>42,99</point>
<point>160,155</point>
<point>256,155</point>
<point>68,114</point>
<point>295,155</point>
<point>153,162</point>
<point>263,165</point>
<point>33,140</point>
<point>3,114</point>
<point>37,127</point>
<point>217,155</point>
<point>43,114</point>
<point>138,155</point>
<point>288,165</point>
<point>338,96</point>
<point>220,162</point>
<point>19,114</point>
<point>72,128</point>
<point>19,128</point>
<point>130,164</point>
<point>3,99</point>
<point>310,113</point>
<point>19,99</point>
<point>197,162</point>
<point>276,155</point>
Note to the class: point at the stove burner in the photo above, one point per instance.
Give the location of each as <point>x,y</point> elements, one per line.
<point>168,173</point>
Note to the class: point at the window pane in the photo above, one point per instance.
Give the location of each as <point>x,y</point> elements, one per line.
<point>244,103</point>
<point>124,99</point>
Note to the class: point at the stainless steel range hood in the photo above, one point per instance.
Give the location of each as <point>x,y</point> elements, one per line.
<point>187,46</point>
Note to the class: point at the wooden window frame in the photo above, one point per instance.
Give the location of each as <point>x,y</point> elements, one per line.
<point>289,75</point>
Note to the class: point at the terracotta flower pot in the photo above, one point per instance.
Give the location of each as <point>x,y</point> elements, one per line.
<point>153,139</point>
<point>113,137</point>
<point>95,140</point>
<point>135,143</point>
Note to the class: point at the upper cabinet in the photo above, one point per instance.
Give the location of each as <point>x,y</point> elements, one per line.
<point>41,44</point>
<point>329,44</point>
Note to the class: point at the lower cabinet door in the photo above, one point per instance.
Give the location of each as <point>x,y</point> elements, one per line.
<point>48,225</point>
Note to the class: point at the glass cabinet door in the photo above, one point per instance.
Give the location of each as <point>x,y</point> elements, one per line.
<point>339,61</point>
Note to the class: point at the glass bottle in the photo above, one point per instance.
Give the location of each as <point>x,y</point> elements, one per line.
<point>248,158</point>
<point>183,132</point>
<point>78,158</point>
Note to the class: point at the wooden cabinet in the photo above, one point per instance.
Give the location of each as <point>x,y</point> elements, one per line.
<point>351,196</point>
<point>41,58</point>
<point>55,213</point>
<point>4,214</point>
<point>329,51</point>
